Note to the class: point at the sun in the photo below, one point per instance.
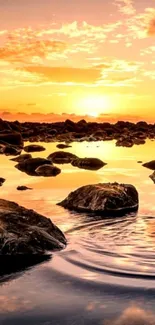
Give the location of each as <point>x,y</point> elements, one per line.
<point>93,105</point>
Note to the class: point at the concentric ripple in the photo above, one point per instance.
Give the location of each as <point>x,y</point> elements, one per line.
<point>112,250</point>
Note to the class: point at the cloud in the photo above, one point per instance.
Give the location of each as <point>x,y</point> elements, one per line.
<point>22,46</point>
<point>65,74</point>
<point>126,7</point>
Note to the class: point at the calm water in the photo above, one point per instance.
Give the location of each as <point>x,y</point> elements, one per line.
<point>106,275</point>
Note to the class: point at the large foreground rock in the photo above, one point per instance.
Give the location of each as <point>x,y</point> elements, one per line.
<point>25,232</point>
<point>29,166</point>
<point>88,163</point>
<point>61,157</point>
<point>103,198</point>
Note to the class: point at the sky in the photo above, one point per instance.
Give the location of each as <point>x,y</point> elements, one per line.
<point>90,58</point>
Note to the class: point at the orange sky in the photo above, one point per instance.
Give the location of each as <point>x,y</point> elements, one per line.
<point>87,57</point>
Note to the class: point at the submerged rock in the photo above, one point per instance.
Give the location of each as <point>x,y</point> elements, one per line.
<point>61,157</point>
<point>103,198</point>
<point>22,158</point>
<point>25,232</point>
<point>63,146</point>
<point>150,165</point>
<point>23,188</point>
<point>88,163</point>
<point>2,180</point>
<point>30,165</point>
<point>48,170</point>
<point>34,148</point>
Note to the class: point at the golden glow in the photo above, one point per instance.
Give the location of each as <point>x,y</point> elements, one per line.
<point>94,105</point>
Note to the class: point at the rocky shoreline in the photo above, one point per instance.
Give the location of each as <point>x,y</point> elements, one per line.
<point>125,133</point>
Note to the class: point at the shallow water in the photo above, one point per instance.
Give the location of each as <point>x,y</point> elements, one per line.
<point>106,274</point>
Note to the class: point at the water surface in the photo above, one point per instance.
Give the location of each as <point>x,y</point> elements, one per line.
<point>106,274</point>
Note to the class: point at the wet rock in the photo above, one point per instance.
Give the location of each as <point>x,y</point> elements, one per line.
<point>29,166</point>
<point>61,157</point>
<point>125,143</point>
<point>48,170</point>
<point>88,163</point>
<point>103,199</point>
<point>2,180</point>
<point>34,148</point>
<point>22,157</point>
<point>13,138</point>
<point>63,146</point>
<point>23,188</point>
<point>139,162</point>
<point>25,232</point>
<point>139,141</point>
<point>150,165</point>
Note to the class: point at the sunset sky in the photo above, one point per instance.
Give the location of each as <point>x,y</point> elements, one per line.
<point>86,57</point>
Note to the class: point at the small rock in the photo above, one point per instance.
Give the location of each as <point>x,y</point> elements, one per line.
<point>63,146</point>
<point>103,199</point>
<point>152,176</point>
<point>34,148</point>
<point>150,165</point>
<point>13,138</point>
<point>88,163</point>
<point>2,180</point>
<point>61,157</point>
<point>23,188</point>
<point>30,165</point>
<point>48,170</point>
<point>139,162</point>
<point>22,157</point>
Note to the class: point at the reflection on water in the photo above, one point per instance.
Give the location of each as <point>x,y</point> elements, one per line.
<point>108,264</point>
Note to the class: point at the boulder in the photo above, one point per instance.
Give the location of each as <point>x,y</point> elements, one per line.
<point>25,232</point>
<point>34,148</point>
<point>61,157</point>
<point>88,163</point>
<point>23,188</point>
<point>150,165</point>
<point>63,146</point>
<point>22,157</point>
<point>103,198</point>
<point>48,170</point>
<point>30,165</point>
<point>2,180</point>
<point>13,138</point>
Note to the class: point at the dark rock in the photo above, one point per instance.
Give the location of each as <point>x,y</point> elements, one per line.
<point>61,157</point>
<point>34,148</point>
<point>103,198</point>
<point>30,165</point>
<point>150,165</point>
<point>139,141</point>
<point>13,138</point>
<point>48,170</point>
<point>63,146</point>
<point>2,180</point>
<point>88,163</point>
<point>25,232</point>
<point>125,143</point>
<point>152,176</point>
<point>139,162</point>
<point>12,151</point>
<point>23,188</point>
<point>22,157</point>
